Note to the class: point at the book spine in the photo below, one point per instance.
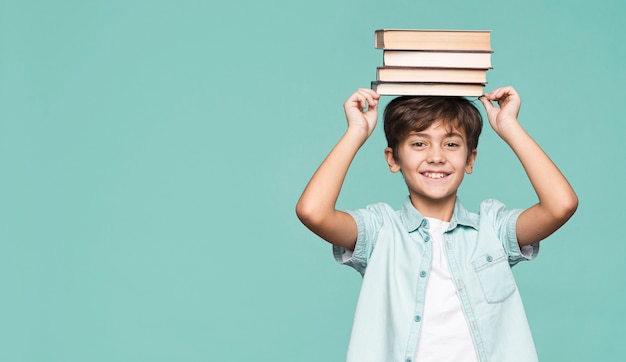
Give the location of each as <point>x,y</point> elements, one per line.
<point>473,60</point>
<point>458,40</point>
<point>420,74</point>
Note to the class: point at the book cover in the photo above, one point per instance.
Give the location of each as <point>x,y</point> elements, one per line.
<point>422,39</point>
<point>428,89</point>
<point>437,59</point>
<point>428,74</point>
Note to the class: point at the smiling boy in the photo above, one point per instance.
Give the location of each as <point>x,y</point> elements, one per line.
<point>437,281</point>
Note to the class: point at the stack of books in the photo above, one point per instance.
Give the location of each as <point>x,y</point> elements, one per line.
<point>433,62</point>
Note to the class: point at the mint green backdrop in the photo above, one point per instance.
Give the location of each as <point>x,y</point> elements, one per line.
<point>152,152</point>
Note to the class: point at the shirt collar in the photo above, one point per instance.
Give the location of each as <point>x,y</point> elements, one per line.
<point>413,219</point>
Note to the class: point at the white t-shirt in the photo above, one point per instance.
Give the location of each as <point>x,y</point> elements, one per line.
<point>445,335</point>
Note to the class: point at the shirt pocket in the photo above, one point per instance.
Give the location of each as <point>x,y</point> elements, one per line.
<point>495,276</point>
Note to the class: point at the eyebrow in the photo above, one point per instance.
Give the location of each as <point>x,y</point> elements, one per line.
<point>447,135</point>
<point>454,134</point>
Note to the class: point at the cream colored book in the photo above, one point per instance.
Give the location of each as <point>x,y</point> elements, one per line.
<point>440,59</point>
<point>438,75</point>
<point>422,39</point>
<point>428,89</point>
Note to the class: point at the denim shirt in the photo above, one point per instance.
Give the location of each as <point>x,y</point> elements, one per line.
<point>393,254</point>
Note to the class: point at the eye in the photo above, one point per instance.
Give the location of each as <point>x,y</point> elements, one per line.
<point>418,144</point>
<point>452,145</point>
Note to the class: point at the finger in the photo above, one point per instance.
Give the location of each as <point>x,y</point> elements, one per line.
<point>502,93</point>
<point>496,94</point>
<point>367,98</point>
<point>486,102</point>
<point>371,92</point>
<point>357,100</point>
<point>511,94</point>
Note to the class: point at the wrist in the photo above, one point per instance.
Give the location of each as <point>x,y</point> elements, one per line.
<point>357,133</point>
<point>508,128</point>
<point>513,134</point>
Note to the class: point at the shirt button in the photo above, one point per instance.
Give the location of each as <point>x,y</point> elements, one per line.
<point>422,273</point>
<point>409,360</point>
<point>426,238</point>
<point>417,318</point>
<point>489,259</point>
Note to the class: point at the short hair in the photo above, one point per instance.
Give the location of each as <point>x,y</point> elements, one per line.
<point>407,114</point>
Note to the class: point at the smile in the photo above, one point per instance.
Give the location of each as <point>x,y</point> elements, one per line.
<point>435,175</point>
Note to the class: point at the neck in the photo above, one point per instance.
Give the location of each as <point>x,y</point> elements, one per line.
<point>437,209</point>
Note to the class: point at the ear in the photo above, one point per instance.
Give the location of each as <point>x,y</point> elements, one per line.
<point>391,161</point>
<point>470,161</point>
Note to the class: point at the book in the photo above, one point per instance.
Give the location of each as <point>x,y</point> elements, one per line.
<point>416,39</point>
<point>432,62</point>
<point>438,59</point>
<point>428,89</point>
<point>421,74</point>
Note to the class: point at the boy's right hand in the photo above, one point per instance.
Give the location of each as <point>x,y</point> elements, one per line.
<point>317,205</point>
<point>362,111</point>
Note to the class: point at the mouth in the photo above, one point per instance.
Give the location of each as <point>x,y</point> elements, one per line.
<point>435,175</point>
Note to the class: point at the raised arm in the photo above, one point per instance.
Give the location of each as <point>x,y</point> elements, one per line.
<point>316,207</point>
<point>557,200</point>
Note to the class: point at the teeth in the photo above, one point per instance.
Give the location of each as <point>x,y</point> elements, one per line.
<point>434,174</point>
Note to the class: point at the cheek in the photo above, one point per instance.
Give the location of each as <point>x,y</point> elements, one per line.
<point>469,165</point>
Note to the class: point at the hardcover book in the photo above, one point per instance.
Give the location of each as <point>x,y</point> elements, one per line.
<point>428,89</point>
<point>419,58</point>
<point>413,39</point>
<point>424,74</point>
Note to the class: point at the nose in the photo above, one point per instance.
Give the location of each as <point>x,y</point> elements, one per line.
<point>436,155</point>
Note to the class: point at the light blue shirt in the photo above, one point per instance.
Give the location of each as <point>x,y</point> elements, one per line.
<point>393,253</point>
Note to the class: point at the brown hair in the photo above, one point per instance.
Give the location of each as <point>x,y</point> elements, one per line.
<point>406,114</point>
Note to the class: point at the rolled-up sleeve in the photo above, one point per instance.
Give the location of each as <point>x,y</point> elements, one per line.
<point>504,221</point>
<point>368,223</point>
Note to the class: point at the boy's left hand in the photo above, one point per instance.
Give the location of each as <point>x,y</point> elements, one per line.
<point>557,199</point>
<point>509,103</point>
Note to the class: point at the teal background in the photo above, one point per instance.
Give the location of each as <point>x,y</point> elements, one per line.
<point>152,152</point>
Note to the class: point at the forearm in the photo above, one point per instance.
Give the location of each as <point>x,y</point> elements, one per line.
<point>552,188</point>
<point>316,207</point>
<point>318,200</point>
<point>557,199</point>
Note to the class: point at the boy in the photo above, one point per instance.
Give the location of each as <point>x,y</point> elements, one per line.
<point>437,284</point>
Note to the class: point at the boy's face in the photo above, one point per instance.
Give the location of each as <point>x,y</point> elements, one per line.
<point>433,163</point>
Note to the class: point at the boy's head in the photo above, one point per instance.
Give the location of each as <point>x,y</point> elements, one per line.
<point>407,114</point>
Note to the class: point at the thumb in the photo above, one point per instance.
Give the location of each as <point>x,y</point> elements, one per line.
<point>486,103</point>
